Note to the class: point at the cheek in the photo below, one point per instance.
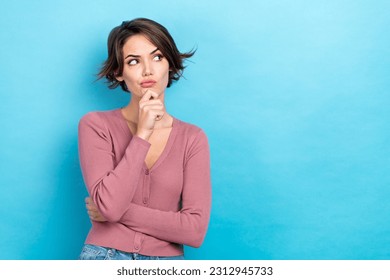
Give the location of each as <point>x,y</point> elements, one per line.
<point>164,70</point>
<point>131,82</point>
<point>165,77</point>
<point>130,76</point>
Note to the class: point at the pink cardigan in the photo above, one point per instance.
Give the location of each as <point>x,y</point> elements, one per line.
<point>150,212</point>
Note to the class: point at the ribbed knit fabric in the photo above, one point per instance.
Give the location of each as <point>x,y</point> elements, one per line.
<point>149,211</point>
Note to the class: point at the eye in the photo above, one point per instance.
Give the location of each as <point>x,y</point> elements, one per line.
<point>132,62</point>
<point>158,57</point>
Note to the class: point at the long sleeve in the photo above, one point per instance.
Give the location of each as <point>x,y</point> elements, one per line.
<point>111,185</point>
<point>189,225</point>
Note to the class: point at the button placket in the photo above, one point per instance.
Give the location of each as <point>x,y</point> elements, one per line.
<point>146,188</point>
<point>137,241</point>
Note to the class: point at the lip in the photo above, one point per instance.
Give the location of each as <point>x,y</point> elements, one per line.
<point>148,83</point>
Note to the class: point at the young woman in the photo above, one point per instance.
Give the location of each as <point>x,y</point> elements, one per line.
<point>147,173</point>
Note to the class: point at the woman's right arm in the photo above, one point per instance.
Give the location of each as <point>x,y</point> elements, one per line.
<point>111,187</point>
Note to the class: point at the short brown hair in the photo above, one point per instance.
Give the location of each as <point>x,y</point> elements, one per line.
<point>157,34</point>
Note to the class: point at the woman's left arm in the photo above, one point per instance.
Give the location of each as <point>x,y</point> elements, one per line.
<point>189,225</point>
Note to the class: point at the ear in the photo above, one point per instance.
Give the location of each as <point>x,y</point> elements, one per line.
<point>117,77</point>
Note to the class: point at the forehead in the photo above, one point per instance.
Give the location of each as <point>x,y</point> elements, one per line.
<point>138,44</point>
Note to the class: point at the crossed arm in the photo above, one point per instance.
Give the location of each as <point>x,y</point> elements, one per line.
<point>110,196</point>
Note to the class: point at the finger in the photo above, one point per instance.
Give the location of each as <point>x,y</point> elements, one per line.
<point>150,102</point>
<point>91,214</point>
<point>90,207</point>
<point>89,202</point>
<point>150,94</point>
<point>145,108</point>
<point>146,95</point>
<point>154,95</point>
<point>94,215</point>
<point>154,112</point>
<point>159,116</point>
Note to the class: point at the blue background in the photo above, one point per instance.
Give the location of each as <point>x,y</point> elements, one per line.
<point>294,97</point>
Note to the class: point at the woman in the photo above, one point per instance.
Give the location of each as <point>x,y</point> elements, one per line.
<point>147,173</point>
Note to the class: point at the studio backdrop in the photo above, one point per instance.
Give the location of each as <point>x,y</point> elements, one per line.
<point>294,97</point>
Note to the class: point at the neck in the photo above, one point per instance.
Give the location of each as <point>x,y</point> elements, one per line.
<point>131,110</point>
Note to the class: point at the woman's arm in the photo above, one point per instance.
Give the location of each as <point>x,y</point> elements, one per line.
<point>110,187</point>
<point>189,225</point>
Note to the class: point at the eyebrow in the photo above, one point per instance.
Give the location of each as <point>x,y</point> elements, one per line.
<point>134,55</point>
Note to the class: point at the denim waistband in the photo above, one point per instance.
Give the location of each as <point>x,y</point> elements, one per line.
<point>94,252</point>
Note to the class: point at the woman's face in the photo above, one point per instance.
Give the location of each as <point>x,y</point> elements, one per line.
<point>144,66</point>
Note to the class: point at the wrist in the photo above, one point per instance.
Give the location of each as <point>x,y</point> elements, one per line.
<point>144,134</point>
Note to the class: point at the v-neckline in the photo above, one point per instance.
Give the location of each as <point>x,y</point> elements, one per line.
<point>167,147</point>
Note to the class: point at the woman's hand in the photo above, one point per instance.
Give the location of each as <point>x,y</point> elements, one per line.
<point>93,212</point>
<point>151,109</point>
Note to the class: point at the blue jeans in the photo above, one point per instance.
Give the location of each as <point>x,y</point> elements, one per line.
<point>93,252</point>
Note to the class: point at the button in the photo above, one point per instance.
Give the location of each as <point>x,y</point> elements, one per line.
<point>147,172</point>
<point>136,247</point>
<point>145,201</point>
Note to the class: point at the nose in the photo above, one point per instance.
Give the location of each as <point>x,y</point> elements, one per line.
<point>147,70</point>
